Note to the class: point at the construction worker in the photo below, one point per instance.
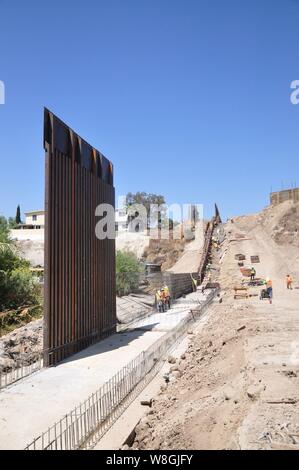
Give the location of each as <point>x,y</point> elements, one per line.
<point>166,295</point>
<point>269,285</point>
<point>252,274</point>
<point>163,296</point>
<point>163,299</point>
<point>215,243</point>
<point>289,282</point>
<point>209,267</point>
<point>159,301</point>
<point>194,283</point>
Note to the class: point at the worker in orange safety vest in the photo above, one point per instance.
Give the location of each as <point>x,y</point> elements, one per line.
<point>289,282</point>
<point>269,285</point>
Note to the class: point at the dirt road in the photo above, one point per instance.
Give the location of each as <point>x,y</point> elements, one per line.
<point>239,387</point>
<point>190,260</point>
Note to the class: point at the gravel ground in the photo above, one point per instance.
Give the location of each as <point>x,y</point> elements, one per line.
<point>237,385</point>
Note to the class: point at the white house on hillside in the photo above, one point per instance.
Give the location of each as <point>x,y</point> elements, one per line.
<point>33,229</point>
<point>121,220</point>
<point>34,219</point>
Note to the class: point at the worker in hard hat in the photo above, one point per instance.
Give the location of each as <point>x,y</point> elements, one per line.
<point>269,285</point>
<point>252,274</point>
<point>166,296</point>
<point>209,267</point>
<point>163,297</point>
<point>194,283</point>
<point>289,280</point>
<point>159,300</point>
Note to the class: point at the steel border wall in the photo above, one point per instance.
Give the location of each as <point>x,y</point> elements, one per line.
<point>86,423</point>
<point>279,197</point>
<point>79,306</point>
<point>179,285</point>
<point>216,220</point>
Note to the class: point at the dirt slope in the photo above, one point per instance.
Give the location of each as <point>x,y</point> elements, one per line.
<point>164,252</point>
<point>239,382</point>
<point>190,259</point>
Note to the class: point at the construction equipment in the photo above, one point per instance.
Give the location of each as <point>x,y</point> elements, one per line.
<point>241,292</point>
<point>240,257</point>
<point>255,259</point>
<point>246,272</point>
<point>212,285</point>
<point>264,294</point>
<point>256,282</point>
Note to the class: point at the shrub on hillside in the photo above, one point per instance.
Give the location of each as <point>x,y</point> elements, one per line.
<point>18,287</point>
<point>128,269</point>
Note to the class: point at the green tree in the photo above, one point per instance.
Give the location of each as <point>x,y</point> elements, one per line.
<point>4,230</point>
<point>18,215</point>
<point>153,203</point>
<point>12,222</point>
<point>128,269</point>
<point>18,286</point>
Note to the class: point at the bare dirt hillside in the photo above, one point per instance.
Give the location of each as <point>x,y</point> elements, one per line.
<point>238,385</point>
<point>178,255</point>
<point>32,251</point>
<point>189,260</point>
<point>164,252</point>
<point>134,242</point>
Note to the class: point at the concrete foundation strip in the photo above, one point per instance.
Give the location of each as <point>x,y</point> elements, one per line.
<point>82,427</point>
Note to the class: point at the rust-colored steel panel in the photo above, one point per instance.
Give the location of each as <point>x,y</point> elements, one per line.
<point>216,220</point>
<point>80,299</point>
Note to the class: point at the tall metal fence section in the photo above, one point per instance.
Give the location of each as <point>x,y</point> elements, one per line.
<point>216,220</point>
<point>86,423</point>
<point>179,284</point>
<point>79,268</point>
<point>278,197</point>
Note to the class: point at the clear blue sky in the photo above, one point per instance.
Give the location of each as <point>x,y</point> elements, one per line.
<point>167,89</point>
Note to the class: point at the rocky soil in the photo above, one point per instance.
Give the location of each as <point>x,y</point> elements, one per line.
<point>237,385</point>
<point>287,231</point>
<point>32,251</point>
<point>164,252</point>
<point>22,346</point>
